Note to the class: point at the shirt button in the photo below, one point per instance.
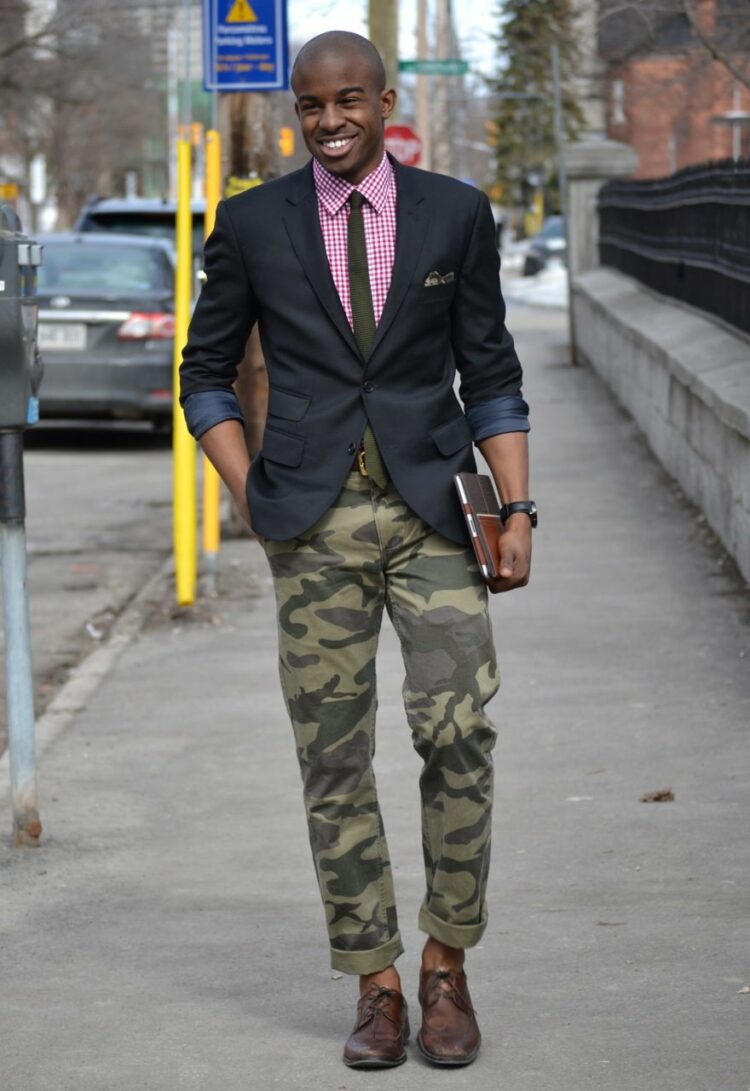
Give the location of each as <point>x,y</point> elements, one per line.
<point>351,449</point>
<point>368,388</point>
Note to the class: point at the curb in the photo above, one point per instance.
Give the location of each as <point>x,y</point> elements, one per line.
<point>86,677</point>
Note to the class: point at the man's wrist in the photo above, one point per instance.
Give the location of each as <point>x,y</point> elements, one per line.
<point>519,509</point>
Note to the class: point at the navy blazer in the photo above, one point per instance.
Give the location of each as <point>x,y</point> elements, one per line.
<point>266,262</point>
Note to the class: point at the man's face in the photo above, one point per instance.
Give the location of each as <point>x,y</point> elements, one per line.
<point>341,114</point>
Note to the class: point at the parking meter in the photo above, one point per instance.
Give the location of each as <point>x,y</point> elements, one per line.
<point>20,363</point>
<point>20,374</point>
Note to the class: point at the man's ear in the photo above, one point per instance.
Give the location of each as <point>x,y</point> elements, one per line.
<point>296,109</point>
<point>387,103</point>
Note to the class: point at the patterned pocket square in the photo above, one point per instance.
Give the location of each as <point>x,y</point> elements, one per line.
<point>434,278</point>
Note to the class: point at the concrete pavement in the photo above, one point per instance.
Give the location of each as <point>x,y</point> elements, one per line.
<point>98,526</point>
<point>167,935</point>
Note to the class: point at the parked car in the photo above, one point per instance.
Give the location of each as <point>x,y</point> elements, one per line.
<point>140,216</point>
<point>106,327</point>
<point>550,242</point>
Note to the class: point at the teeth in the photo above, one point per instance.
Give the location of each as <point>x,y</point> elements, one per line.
<point>337,143</point>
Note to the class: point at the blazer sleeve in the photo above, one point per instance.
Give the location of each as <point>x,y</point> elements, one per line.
<point>484,352</point>
<point>223,318</point>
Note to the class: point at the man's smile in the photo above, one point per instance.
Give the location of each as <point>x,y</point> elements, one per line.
<point>335,147</point>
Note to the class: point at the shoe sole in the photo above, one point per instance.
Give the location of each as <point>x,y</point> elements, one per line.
<point>375,1063</point>
<point>445,1062</point>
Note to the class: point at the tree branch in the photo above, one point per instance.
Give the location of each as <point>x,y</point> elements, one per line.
<point>710,44</point>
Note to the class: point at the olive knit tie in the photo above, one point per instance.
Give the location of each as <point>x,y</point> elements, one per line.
<point>364,318</point>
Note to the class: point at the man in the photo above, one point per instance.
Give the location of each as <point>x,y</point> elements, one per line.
<point>371,283</point>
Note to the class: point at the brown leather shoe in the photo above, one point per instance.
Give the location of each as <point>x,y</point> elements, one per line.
<point>380,1032</point>
<point>449,1034</point>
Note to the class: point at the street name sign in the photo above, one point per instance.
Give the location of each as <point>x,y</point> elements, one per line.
<point>452,66</point>
<point>245,45</point>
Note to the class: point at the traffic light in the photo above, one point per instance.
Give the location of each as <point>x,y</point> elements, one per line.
<point>492,129</point>
<point>286,141</point>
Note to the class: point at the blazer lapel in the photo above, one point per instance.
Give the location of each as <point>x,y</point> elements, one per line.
<point>411,231</point>
<point>302,223</point>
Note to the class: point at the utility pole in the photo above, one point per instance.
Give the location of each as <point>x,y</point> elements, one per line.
<point>442,151</point>
<point>249,146</point>
<point>424,121</point>
<point>382,20</point>
<point>562,181</point>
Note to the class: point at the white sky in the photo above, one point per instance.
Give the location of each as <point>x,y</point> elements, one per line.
<point>475,22</point>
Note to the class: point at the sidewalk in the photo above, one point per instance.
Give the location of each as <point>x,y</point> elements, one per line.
<point>167,935</point>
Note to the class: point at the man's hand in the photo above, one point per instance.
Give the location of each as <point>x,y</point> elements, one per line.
<point>515,555</point>
<point>224,446</point>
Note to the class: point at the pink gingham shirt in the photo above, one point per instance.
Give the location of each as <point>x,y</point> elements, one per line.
<point>379,213</point>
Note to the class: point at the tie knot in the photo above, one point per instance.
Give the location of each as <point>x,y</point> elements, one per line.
<point>356,200</point>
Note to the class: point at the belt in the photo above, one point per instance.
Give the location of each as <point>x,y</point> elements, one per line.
<point>359,465</point>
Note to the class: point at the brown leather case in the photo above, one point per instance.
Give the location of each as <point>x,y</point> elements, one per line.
<point>481,509</point>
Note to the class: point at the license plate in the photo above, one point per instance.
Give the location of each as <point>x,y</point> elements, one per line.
<point>62,336</point>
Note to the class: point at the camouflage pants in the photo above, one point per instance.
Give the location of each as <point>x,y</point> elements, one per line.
<point>368,551</point>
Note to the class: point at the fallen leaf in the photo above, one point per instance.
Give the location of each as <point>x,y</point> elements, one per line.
<point>661,795</point>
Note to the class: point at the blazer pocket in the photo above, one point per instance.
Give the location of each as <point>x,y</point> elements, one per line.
<point>283,403</point>
<point>452,436</point>
<point>440,293</point>
<point>282,447</point>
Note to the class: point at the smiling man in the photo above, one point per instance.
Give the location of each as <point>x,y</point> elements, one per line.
<point>371,283</point>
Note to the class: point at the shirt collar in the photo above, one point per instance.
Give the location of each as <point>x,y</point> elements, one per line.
<point>333,192</point>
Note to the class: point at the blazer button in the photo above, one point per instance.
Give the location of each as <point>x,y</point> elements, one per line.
<point>368,388</point>
<point>351,449</point>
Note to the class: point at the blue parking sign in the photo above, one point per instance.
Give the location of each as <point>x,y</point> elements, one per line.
<point>245,45</point>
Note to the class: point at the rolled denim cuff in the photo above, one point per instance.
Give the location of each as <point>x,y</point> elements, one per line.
<point>505,414</point>
<point>206,408</point>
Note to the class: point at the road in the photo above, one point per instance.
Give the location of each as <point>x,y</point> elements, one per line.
<point>98,525</point>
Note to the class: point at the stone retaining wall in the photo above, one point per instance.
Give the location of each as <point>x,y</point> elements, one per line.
<point>685,379</point>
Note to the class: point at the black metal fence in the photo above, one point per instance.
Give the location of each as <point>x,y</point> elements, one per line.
<point>687,236</point>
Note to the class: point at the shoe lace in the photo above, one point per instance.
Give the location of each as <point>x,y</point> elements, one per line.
<point>437,988</point>
<point>376,1005</point>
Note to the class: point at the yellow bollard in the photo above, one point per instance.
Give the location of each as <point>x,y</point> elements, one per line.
<point>183,444</point>
<point>211,480</point>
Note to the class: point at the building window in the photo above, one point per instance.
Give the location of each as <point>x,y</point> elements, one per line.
<point>618,102</point>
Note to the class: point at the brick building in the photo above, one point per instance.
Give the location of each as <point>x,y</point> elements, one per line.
<point>665,95</point>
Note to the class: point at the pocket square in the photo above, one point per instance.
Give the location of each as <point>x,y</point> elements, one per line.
<point>434,278</point>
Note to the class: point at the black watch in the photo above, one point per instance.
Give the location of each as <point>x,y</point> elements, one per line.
<point>528,507</point>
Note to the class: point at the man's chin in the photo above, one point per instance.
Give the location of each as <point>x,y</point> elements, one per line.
<point>340,167</point>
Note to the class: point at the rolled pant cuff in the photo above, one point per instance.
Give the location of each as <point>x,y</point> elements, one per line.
<point>367,962</point>
<point>452,935</point>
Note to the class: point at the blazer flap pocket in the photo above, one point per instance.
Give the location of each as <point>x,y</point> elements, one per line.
<point>452,436</point>
<point>438,293</point>
<point>282,403</point>
<point>282,447</point>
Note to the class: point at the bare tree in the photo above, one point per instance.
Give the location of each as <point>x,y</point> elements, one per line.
<point>78,88</point>
<point>721,28</point>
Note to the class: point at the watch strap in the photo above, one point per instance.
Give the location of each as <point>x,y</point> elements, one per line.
<point>528,507</point>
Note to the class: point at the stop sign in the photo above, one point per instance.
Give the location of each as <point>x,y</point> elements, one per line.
<point>404,144</point>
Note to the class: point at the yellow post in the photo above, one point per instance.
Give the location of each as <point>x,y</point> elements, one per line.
<point>211,480</point>
<point>183,444</point>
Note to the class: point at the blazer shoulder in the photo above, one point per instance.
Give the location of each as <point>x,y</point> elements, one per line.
<point>443,187</point>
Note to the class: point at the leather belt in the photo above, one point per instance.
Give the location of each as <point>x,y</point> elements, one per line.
<point>359,465</point>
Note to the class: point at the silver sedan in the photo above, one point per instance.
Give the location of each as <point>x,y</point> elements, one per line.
<point>106,327</point>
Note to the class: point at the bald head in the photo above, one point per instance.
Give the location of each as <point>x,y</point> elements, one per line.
<point>337,45</point>
<point>342,103</point>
